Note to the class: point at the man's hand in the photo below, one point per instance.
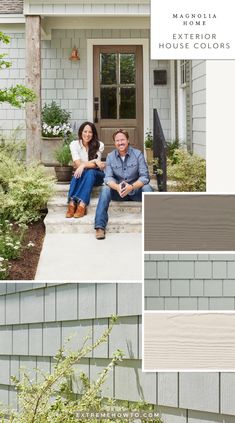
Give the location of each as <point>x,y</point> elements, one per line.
<point>123,192</point>
<point>79,170</point>
<point>100,164</point>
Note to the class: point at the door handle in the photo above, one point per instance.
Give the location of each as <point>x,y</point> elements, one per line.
<point>96,108</point>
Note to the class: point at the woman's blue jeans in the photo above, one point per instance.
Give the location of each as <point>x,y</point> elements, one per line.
<point>81,188</point>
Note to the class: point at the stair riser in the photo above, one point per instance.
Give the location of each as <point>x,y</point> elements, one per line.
<point>115,209</point>
<point>57,228</point>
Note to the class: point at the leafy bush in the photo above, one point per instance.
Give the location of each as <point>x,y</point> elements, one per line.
<point>16,96</point>
<point>4,268</point>
<point>25,190</point>
<point>50,399</point>
<point>55,121</point>
<point>11,237</point>
<point>13,145</point>
<point>188,170</point>
<point>63,155</point>
<point>172,146</point>
<point>148,142</point>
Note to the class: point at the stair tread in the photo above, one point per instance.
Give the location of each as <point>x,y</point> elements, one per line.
<point>62,201</point>
<point>118,218</point>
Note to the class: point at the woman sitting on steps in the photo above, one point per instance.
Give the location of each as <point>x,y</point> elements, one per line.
<point>86,155</point>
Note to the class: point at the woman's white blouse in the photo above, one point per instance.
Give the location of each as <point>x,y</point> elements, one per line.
<point>79,152</point>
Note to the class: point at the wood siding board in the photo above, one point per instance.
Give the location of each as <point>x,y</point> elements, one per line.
<point>199,222</point>
<point>97,365</point>
<point>201,417</point>
<point>86,301</point>
<point>129,299</point>
<point>35,339</point>
<point>124,334</point>
<point>173,415</point>
<point>106,301</point>
<point>66,302</point>
<point>99,326</point>
<point>199,391</point>
<point>32,306</point>
<point>77,331</point>
<point>2,310</point>
<point>227,393</point>
<point>168,389</point>
<point>175,341</point>
<point>6,340</point>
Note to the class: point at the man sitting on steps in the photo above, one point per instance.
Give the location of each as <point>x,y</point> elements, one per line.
<point>126,177</point>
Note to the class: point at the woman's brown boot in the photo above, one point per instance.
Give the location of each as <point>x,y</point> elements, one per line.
<point>71,210</point>
<point>80,212</point>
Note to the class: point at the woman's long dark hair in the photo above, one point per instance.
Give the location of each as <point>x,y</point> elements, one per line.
<point>94,144</point>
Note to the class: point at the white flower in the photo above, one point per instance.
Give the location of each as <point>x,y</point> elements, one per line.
<point>30,244</point>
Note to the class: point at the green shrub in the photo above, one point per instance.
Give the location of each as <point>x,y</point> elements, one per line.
<point>172,146</point>
<point>50,398</point>
<point>13,145</point>
<point>28,194</point>
<point>63,155</point>
<point>188,170</point>
<point>11,237</point>
<point>148,141</point>
<point>4,268</point>
<point>25,190</point>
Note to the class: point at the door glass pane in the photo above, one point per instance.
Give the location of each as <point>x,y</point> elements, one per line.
<point>108,68</point>
<point>127,68</point>
<point>108,103</point>
<point>127,103</point>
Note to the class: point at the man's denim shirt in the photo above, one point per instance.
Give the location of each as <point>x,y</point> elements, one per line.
<point>133,168</point>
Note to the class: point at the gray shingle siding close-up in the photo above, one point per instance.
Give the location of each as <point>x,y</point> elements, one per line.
<point>11,6</point>
<point>35,319</point>
<point>189,282</point>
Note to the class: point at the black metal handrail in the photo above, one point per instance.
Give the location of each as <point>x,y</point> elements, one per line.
<point>159,153</point>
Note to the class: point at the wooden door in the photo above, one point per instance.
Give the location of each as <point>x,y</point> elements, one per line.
<point>118,93</point>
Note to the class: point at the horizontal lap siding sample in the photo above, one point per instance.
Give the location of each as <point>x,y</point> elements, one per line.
<point>189,222</point>
<point>189,341</point>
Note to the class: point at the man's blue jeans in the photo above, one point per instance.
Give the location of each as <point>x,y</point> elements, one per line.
<point>81,188</point>
<point>107,194</point>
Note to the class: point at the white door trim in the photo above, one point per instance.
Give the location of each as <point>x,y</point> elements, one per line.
<point>120,41</point>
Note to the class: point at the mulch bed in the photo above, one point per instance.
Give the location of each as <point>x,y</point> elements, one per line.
<point>24,268</point>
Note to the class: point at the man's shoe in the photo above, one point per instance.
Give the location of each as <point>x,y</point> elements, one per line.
<point>100,233</point>
<point>71,210</point>
<point>80,212</point>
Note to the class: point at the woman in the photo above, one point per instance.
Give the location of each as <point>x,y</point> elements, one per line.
<point>86,155</point>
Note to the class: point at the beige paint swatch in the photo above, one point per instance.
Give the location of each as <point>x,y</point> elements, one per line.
<point>192,341</point>
<point>189,222</point>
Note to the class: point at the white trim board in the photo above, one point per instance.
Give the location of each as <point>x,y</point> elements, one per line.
<point>189,341</point>
<point>120,41</point>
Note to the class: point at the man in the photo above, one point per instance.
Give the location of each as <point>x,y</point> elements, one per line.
<point>126,177</point>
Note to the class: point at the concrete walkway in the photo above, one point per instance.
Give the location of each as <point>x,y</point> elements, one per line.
<point>80,257</point>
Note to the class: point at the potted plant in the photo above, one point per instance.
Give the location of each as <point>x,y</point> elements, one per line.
<point>148,143</point>
<point>64,170</point>
<point>55,128</point>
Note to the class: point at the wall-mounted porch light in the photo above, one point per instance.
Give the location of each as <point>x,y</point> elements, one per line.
<point>74,55</point>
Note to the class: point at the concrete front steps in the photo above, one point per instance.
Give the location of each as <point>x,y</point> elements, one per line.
<point>124,216</point>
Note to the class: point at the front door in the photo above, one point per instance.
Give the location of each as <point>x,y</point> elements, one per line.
<point>118,93</point>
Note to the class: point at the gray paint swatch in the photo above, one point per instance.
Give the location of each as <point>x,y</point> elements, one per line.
<point>189,222</point>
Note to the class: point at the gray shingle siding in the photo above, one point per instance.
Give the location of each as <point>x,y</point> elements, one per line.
<point>36,318</point>
<point>189,282</point>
